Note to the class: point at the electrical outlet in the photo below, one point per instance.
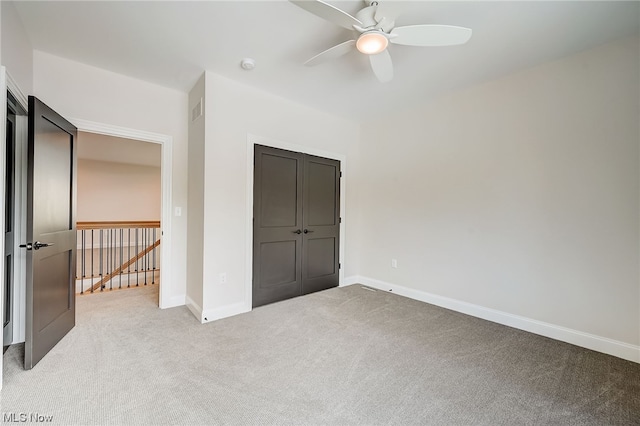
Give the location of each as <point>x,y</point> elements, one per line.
<point>223,278</point>
<point>394,263</point>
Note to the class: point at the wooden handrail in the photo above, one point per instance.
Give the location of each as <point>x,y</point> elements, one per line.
<point>125,265</point>
<point>117,224</point>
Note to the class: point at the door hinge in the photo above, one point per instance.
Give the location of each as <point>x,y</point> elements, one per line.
<point>339,265</point>
<point>340,174</point>
<point>340,220</point>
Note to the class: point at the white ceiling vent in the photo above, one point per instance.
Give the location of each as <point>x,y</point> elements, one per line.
<point>196,112</point>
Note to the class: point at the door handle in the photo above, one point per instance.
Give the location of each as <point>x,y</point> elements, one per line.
<point>297,231</point>
<point>35,246</point>
<point>306,231</point>
<point>38,245</point>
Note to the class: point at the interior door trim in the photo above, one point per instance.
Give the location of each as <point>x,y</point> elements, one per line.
<point>3,130</point>
<point>253,140</point>
<point>20,216</point>
<point>12,86</point>
<point>8,83</point>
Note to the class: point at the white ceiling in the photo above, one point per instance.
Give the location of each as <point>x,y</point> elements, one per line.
<point>171,43</point>
<point>92,146</point>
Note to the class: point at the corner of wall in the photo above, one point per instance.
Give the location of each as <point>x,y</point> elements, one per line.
<point>194,307</point>
<point>209,315</point>
<point>195,191</point>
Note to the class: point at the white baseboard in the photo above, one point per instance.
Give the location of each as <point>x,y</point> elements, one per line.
<point>354,279</point>
<point>590,341</point>
<point>195,309</point>
<point>224,312</point>
<point>174,301</point>
<point>217,313</point>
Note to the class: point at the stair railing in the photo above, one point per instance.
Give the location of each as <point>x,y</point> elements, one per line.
<point>116,254</point>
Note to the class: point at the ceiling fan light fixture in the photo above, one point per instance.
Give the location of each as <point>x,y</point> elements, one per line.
<point>372,42</point>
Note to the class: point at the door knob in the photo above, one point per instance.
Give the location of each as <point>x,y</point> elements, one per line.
<point>306,231</point>
<point>297,231</point>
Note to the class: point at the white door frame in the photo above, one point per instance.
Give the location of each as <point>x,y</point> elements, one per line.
<point>253,140</point>
<point>7,83</point>
<point>3,130</point>
<point>20,222</point>
<point>166,143</point>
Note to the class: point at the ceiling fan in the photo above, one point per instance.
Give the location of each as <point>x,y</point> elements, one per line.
<point>374,29</point>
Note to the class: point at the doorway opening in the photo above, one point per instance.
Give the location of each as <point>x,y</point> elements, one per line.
<point>119,211</point>
<point>165,142</point>
<point>18,297</point>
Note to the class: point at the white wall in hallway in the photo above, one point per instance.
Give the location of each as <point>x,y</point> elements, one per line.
<point>520,195</point>
<point>79,91</point>
<point>110,191</point>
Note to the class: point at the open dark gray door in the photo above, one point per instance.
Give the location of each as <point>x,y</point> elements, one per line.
<point>51,235</point>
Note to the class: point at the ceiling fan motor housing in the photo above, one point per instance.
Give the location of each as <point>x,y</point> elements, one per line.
<point>367,16</point>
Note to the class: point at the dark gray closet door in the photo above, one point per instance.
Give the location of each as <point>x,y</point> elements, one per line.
<point>277,226</point>
<point>296,224</point>
<point>321,221</point>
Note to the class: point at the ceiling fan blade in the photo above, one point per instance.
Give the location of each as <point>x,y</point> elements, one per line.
<point>430,35</point>
<point>334,52</point>
<point>328,12</point>
<point>382,66</point>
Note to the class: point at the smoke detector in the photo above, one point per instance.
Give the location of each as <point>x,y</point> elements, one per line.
<point>248,64</point>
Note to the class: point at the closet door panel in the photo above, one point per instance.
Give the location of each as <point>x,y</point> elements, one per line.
<point>277,225</point>
<point>321,222</point>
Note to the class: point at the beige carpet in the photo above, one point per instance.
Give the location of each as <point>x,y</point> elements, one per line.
<point>344,356</point>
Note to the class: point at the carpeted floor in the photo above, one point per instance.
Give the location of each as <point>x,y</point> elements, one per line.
<point>344,356</point>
